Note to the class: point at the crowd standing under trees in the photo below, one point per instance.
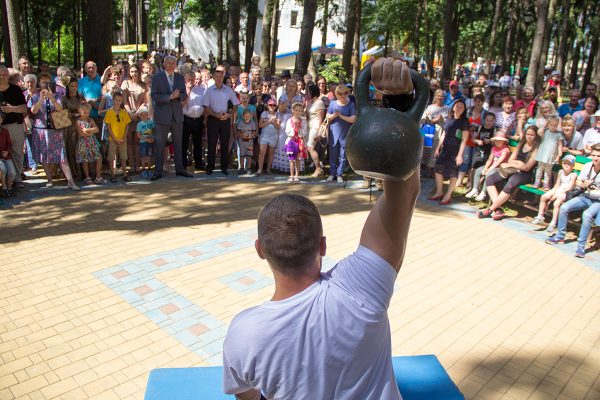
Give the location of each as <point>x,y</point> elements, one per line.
<point>252,118</point>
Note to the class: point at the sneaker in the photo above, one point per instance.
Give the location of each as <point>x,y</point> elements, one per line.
<point>472,194</point>
<point>550,228</point>
<point>484,213</point>
<point>330,179</point>
<point>340,179</point>
<point>580,253</point>
<point>555,240</point>
<point>498,215</point>
<point>241,171</point>
<point>481,196</point>
<point>538,220</point>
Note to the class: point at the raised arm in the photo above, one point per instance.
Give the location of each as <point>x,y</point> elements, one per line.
<point>386,229</point>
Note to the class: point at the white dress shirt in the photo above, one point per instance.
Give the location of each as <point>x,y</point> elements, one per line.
<point>194,107</point>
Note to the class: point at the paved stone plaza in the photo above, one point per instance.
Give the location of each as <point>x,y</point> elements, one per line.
<point>99,287</point>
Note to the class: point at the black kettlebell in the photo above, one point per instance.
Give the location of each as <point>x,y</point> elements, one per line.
<point>383,142</point>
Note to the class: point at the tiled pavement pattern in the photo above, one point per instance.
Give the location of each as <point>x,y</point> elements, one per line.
<point>99,287</point>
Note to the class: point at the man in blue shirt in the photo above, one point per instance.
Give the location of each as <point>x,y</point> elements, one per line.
<point>452,94</point>
<point>573,104</point>
<point>90,87</point>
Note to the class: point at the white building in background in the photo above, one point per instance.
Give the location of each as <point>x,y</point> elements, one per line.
<point>199,42</point>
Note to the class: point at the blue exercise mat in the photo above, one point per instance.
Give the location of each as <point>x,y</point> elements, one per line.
<point>418,377</point>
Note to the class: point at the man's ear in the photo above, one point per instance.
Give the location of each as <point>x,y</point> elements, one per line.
<point>323,246</point>
<point>259,249</point>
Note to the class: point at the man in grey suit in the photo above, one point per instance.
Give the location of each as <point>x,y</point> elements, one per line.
<point>168,93</point>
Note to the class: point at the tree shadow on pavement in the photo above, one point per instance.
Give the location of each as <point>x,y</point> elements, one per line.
<point>547,376</point>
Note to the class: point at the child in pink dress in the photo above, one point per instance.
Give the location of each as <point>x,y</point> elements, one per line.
<point>295,147</point>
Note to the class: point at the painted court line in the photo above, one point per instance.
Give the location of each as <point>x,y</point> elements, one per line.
<point>135,282</point>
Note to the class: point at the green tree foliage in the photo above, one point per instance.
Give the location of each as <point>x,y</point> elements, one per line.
<point>333,71</point>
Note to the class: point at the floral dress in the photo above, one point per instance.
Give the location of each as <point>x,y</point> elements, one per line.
<point>88,148</point>
<point>70,133</point>
<point>49,144</point>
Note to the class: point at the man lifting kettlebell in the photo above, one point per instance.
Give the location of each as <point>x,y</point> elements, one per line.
<point>327,335</point>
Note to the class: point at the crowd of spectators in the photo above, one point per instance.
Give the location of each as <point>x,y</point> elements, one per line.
<point>472,124</point>
<point>259,123</point>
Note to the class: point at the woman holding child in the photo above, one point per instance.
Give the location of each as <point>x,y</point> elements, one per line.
<point>515,172</point>
<point>49,142</point>
<point>71,101</point>
<point>450,151</point>
<point>134,92</point>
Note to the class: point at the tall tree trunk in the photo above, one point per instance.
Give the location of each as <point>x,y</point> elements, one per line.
<point>417,34</point>
<point>450,34</point>
<point>252,16</point>
<point>385,44</point>
<point>510,36</point>
<point>324,25</point>
<point>265,42</point>
<point>306,33</point>
<point>125,22</point>
<point>491,48</point>
<point>144,25</point>
<point>349,37</point>
<point>5,37</point>
<point>564,36</point>
<point>538,43</point>
<point>590,62</point>
<point>181,24</point>
<point>74,33</point>
<point>58,46</point>
<point>38,35</point>
<point>274,35</point>
<point>233,30</point>
<point>430,61</point>
<point>160,30</point>
<point>426,26</point>
<point>26,23</point>
<point>357,30</point>
<point>596,74</point>
<point>15,36</point>
<point>546,43</point>
<point>220,32</point>
<point>577,49</point>
<point>97,32</point>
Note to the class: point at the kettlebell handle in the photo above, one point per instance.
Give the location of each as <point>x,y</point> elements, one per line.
<point>421,92</point>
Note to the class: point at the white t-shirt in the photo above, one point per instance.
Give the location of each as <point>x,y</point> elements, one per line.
<point>588,172</point>
<point>591,137</point>
<point>331,341</point>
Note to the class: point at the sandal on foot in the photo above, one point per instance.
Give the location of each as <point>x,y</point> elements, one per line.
<point>99,181</point>
<point>88,181</point>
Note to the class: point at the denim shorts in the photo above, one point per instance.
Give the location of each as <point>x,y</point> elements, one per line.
<point>268,138</point>
<point>146,149</point>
